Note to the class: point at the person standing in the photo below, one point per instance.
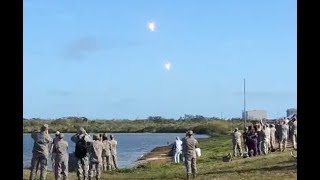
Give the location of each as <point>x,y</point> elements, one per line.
<point>284,135</point>
<point>81,139</point>
<point>106,154</point>
<point>60,148</point>
<point>113,150</point>
<point>267,132</point>
<point>40,152</point>
<point>264,140</point>
<point>294,132</point>
<point>95,154</point>
<point>236,141</point>
<point>278,129</point>
<point>272,137</point>
<point>189,150</point>
<point>245,137</point>
<point>178,150</point>
<point>260,137</point>
<point>51,148</point>
<point>252,141</point>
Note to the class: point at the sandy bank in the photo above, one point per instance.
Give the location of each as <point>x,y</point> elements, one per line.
<point>163,153</point>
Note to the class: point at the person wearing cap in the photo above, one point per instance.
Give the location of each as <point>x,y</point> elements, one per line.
<point>106,154</point>
<point>182,154</point>
<point>113,150</point>
<point>40,152</point>
<point>95,160</point>
<point>236,142</point>
<point>53,141</point>
<point>60,148</point>
<point>189,145</point>
<point>284,135</point>
<point>178,150</point>
<point>264,140</point>
<point>245,137</point>
<point>82,163</point>
<point>51,148</point>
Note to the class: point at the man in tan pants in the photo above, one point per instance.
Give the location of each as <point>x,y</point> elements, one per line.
<point>294,132</point>
<point>40,152</point>
<point>82,138</point>
<point>190,144</point>
<point>95,160</point>
<point>60,148</point>
<point>236,141</point>
<point>113,150</point>
<point>272,137</point>
<point>284,135</point>
<point>106,154</point>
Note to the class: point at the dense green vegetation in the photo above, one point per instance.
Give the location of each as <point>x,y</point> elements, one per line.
<point>198,124</point>
<point>210,166</point>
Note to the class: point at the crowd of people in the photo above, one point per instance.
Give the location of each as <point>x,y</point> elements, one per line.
<point>258,139</point>
<point>99,153</point>
<point>261,138</point>
<point>92,154</point>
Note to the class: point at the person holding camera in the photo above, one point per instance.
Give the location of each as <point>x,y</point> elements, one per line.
<point>60,149</point>
<point>40,152</point>
<point>190,144</point>
<point>95,160</point>
<point>81,139</point>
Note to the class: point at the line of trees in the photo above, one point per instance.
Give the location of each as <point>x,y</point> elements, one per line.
<point>153,124</point>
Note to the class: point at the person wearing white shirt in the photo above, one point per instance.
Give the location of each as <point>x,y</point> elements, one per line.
<point>178,150</point>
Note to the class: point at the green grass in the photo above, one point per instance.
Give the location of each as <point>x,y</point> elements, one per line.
<point>277,165</point>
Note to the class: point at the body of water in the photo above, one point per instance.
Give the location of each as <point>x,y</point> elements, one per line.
<point>131,146</point>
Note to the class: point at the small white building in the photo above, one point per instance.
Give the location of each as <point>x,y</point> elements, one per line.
<point>255,115</point>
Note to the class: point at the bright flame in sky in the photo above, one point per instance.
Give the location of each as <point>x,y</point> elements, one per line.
<point>151,26</point>
<point>167,66</point>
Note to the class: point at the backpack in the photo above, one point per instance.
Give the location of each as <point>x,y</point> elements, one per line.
<point>81,148</point>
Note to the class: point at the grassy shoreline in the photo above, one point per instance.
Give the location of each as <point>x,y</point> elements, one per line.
<point>272,166</point>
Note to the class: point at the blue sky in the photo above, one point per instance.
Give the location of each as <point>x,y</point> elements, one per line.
<point>99,60</point>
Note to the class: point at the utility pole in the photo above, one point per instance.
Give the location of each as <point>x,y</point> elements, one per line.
<point>244,102</point>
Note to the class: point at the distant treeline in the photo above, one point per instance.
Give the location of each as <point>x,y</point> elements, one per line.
<point>153,124</point>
